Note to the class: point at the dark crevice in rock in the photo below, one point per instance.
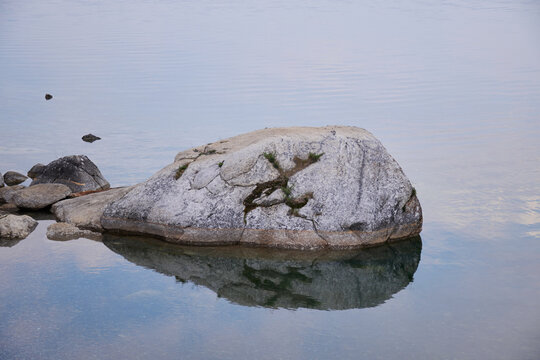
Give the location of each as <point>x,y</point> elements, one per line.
<point>282,181</point>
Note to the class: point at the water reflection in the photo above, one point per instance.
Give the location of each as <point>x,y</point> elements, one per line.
<point>282,279</point>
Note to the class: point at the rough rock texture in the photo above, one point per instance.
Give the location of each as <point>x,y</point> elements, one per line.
<point>275,279</point>
<point>63,231</point>
<point>14,178</point>
<point>7,192</point>
<point>16,226</point>
<point>77,172</point>
<point>1,180</point>
<point>36,170</point>
<point>334,187</point>
<point>85,211</point>
<point>40,196</point>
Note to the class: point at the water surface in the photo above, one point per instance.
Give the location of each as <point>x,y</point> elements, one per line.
<point>451,88</point>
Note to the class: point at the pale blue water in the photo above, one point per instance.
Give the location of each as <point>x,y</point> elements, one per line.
<point>451,88</point>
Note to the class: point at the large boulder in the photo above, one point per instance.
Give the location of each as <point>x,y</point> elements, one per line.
<point>16,227</point>
<point>85,211</point>
<point>77,172</point>
<point>40,196</point>
<point>14,178</point>
<point>330,187</point>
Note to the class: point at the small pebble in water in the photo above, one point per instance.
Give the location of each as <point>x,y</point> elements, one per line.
<point>48,96</point>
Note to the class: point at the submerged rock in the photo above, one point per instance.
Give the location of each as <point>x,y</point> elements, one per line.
<point>327,280</point>
<point>77,172</point>
<point>40,196</point>
<point>305,188</point>
<point>16,226</point>
<point>85,211</point>
<point>90,138</point>
<point>35,171</point>
<point>63,231</point>
<point>14,178</point>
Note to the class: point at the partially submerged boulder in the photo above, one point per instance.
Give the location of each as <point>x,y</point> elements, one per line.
<point>77,172</point>
<point>331,187</point>
<point>64,231</point>
<point>85,211</point>
<point>40,196</point>
<point>14,178</point>
<point>16,226</point>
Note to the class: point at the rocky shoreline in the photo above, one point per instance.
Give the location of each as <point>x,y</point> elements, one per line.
<point>334,187</point>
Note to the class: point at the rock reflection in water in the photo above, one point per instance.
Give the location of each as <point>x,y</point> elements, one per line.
<point>334,280</point>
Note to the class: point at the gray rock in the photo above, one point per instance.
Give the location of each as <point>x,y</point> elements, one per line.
<point>36,170</point>
<point>339,189</point>
<point>64,231</point>
<point>77,172</point>
<point>1,180</point>
<point>40,196</point>
<point>7,192</point>
<point>14,178</point>
<point>282,279</point>
<point>90,138</point>
<point>16,226</point>
<point>85,211</point>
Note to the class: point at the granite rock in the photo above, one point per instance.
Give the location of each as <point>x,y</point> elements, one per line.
<point>16,226</point>
<point>305,188</point>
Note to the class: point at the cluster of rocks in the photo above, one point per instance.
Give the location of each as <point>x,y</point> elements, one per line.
<point>70,176</point>
<point>334,187</point>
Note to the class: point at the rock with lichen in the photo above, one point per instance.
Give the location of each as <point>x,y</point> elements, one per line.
<point>330,187</point>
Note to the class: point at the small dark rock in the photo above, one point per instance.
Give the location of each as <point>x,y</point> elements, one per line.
<point>35,171</point>
<point>77,172</point>
<point>14,178</point>
<point>48,96</point>
<point>90,138</point>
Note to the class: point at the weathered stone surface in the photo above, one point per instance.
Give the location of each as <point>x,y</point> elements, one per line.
<point>330,187</point>
<point>77,172</point>
<point>36,170</point>
<point>40,196</point>
<point>1,180</point>
<point>16,226</point>
<point>85,211</point>
<point>14,178</point>
<point>326,280</point>
<point>7,192</point>
<point>64,231</point>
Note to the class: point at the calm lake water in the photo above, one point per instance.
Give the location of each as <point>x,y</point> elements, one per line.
<point>451,88</point>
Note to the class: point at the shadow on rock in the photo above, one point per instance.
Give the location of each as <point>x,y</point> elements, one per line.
<point>325,280</point>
